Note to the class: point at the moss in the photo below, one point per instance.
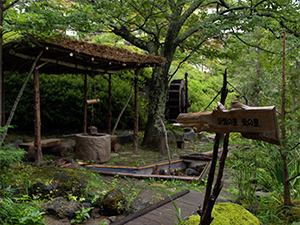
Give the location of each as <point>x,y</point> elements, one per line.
<point>227,213</point>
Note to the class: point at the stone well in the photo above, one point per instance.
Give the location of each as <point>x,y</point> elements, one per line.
<point>96,147</point>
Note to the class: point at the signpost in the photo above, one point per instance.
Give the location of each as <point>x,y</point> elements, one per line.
<point>259,123</point>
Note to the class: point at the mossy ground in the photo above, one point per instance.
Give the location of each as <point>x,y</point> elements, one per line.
<point>227,214</point>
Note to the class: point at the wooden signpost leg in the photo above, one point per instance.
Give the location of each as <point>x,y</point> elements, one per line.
<point>209,199</point>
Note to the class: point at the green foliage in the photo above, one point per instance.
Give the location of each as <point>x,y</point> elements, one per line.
<point>15,213</point>
<point>82,215</point>
<point>8,155</point>
<point>61,98</point>
<point>177,214</point>
<point>246,164</point>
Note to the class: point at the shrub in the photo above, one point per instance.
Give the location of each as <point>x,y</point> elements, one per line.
<point>8,154</point>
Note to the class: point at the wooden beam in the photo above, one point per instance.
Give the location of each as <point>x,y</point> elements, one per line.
<point>67,64</point>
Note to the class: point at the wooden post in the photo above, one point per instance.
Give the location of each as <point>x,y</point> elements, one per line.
<point>3,103</point>
<point>205,213</point>
<point>85,105</point>
<point>109,104</point>
<point>37,119</point>
<point>136,113</point>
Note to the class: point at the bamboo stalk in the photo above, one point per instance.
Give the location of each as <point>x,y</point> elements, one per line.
<point>12,112</point>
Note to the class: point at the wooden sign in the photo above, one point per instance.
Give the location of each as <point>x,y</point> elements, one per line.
<point>93,101</point>
<point>259,123</point>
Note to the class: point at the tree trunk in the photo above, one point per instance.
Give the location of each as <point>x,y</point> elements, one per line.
<point>157,105</point>
<point>1,55</point>
<point>283,151</point>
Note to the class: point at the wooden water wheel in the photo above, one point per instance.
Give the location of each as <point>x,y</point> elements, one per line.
<point>178,101</point>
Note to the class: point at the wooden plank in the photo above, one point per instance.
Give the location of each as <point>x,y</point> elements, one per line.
<point>164,215</point>
<point>44,144</point>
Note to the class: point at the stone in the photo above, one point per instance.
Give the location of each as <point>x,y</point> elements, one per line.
<point>105,221</point>
<point>96,148</point>
<point>125,138</point>
<point>189,136</point>
<point>63,182</point>
<point>201,135</point>
<point>145,199</point>
<point>16,143</point>
<point>171,136</point>
<point>114,154</point>
<point>228,213</point>
<point>113,203</point>
<point>112,218</point>
<point>63,208</point>
<point>205,139</point>
<point>191,172</point>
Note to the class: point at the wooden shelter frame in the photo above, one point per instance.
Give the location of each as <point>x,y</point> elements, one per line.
<point>65,55</point>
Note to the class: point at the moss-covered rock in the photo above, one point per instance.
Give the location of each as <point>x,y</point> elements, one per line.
<point>56,181</point>
<point>113,203</point>
<point>227,214</point>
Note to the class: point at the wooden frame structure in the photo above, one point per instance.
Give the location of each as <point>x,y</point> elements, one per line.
<point>64,55</point>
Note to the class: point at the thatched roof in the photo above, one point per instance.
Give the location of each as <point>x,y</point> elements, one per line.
<point>66,55</point>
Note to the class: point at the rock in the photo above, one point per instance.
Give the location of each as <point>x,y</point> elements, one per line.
<point>61,161</point>
<point>63,208</point>
<point>16,144</point>
<point>56,150</point>
<point>113,203</point>
<point>112,218</point>
<point>171,136</point>
<point>145,199</point>
<point>105,221</point>
<point>201,135</point>
<point>125,138</point>
<point>228,213</point>
<point>96,148</point>
<point>115,146</point>
<point>191,172</point>
<point>205,139</point>
<point>189,136</point>
<point>158,171</point>
<point>64,181</point>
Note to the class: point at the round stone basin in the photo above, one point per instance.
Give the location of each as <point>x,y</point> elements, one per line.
<point>94,148</point>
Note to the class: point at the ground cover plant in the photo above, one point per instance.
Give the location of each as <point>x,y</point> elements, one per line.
<point>250,166</point>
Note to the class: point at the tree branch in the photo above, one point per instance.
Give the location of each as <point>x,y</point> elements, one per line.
<point>254,46</point>
<point>297,155</point>
<point>186,58</point>
<point>225,4</point>
<point>125,33</point>
<point>10,5</point>
<point>292,178</point>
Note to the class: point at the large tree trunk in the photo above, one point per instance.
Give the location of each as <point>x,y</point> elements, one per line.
<point>157,105</point>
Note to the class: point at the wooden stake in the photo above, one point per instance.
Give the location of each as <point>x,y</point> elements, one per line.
<point>136,112</point>
<point>109,104</point>
<point>85,105</point>
<point>37,120</point>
